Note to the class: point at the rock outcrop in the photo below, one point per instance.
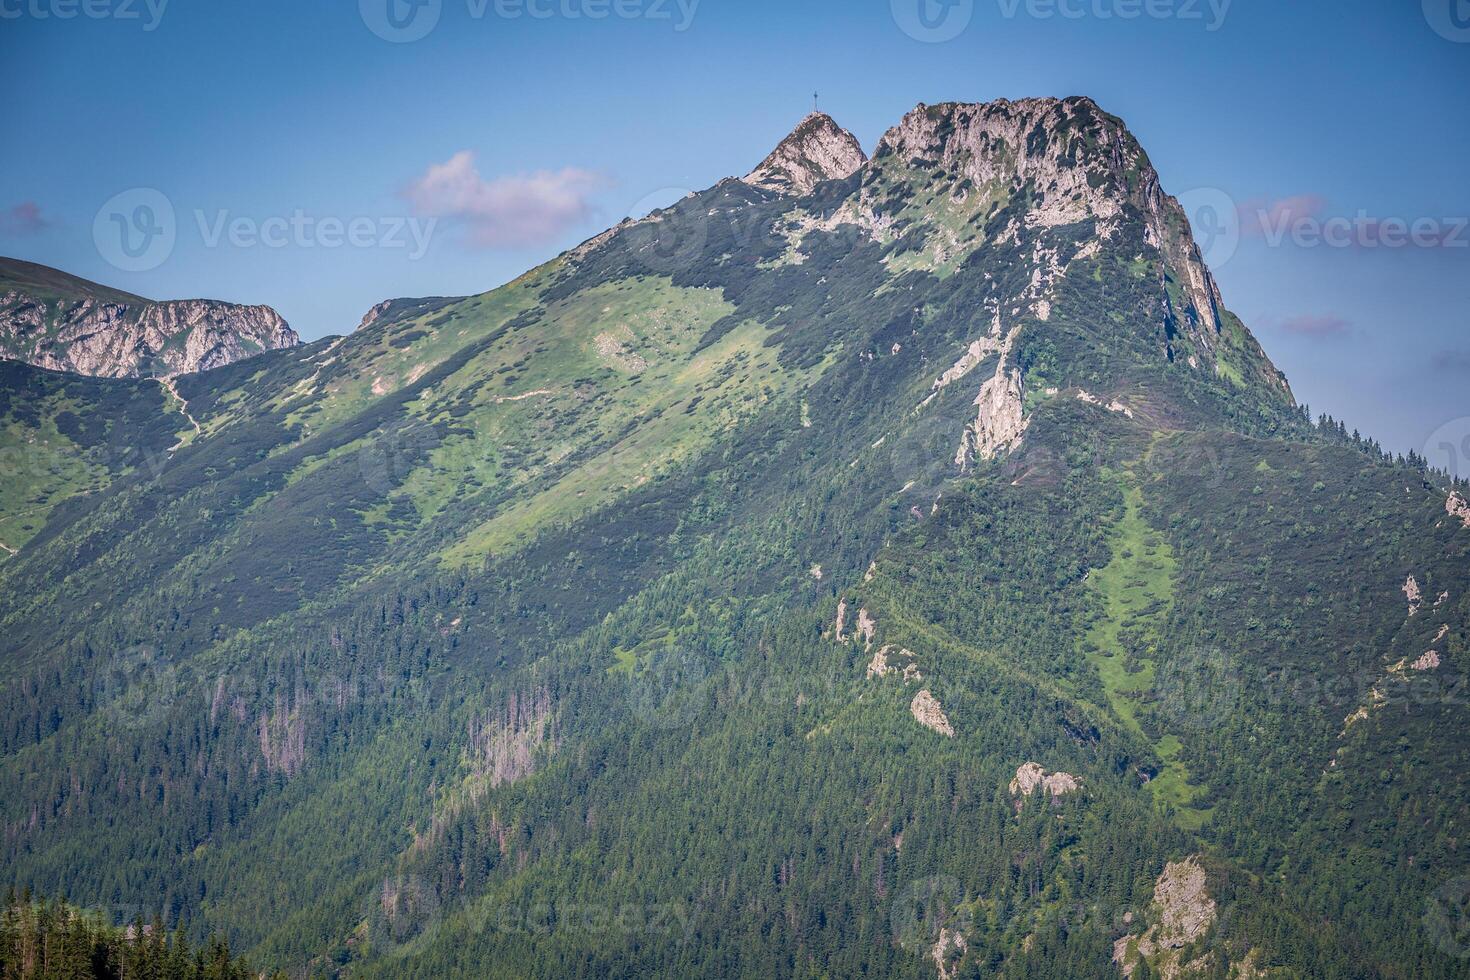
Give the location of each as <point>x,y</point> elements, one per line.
<point>373,315</point>
<point>882,666</point>
<point>1031,777</point>
<point>1429,661</point>
<point>1073,165</point>
<point>1000,419</point>
<point>1032,141</point>
<point>948,949</point>
<point>973,356</point>
<point>1456,506</point>
<point>817,150</point>
<point>1184,913</point>
<point>867,627</point>
<point>927,711</point>
<point>879,666</point>
<point>62,323</point>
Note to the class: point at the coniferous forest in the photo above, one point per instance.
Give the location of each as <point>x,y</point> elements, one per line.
<point>910,569</point>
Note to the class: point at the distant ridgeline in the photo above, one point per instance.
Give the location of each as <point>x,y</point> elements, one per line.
<point>63,323</point>
<point>899,566</point>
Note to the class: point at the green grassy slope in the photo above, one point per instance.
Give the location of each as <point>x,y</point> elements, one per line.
<point>62,436</point>
<point>51,284</point>
<point>503,630</point>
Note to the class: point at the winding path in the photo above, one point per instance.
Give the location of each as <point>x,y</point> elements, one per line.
<point>172,389</point>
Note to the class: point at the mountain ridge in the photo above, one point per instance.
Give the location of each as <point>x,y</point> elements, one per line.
<point>61,322</point>
<point>731,577</point>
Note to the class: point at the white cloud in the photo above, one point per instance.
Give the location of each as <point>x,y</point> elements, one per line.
<point>506,212</point>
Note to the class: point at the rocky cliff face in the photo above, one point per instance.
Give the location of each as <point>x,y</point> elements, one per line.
<point>817,150</point>
<point>1022,195</point>
<point>1022,220</point>
<point>929,415</point>
<point>62,323</point>
<point>1182,914</point>
<point>1076,164</point>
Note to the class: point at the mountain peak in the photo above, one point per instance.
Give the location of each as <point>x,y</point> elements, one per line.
<point>1037,139</point>
<point>1081,164</point>
<point>816,150</point>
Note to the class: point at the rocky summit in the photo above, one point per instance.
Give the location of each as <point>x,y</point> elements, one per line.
<point>891,566</point>
<point>817,150</point>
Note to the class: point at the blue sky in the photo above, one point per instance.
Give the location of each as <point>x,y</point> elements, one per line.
<point>526,126</point>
